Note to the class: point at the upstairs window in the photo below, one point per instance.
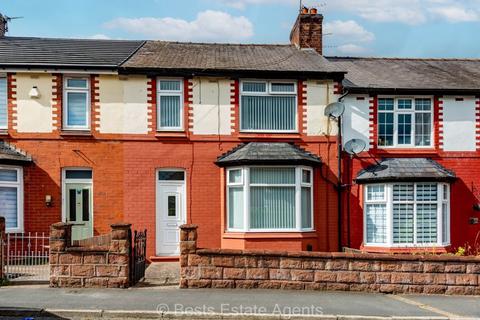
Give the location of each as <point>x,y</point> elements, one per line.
<point>170,104</point>
<point>3,103</point>
<point>268,106</point>
<point>407,214</point>
<point>270,199</point>
<point>405,122</point>
<point>76,113</point>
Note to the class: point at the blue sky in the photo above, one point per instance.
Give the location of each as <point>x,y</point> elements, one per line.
<point>403,28</point>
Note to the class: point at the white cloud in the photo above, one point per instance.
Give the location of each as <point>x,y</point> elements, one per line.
<point>456,14</point>
<point>351,49</point>
<point>348,31</point>
<point>411,12</point>
<point>209,26</point>
<point>99,37</point>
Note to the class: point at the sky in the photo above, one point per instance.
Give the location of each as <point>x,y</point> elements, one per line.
<point>387,28</point>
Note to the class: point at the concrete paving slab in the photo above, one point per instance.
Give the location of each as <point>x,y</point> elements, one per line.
<point>462,306</point>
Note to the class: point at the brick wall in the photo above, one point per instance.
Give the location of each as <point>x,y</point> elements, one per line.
<point>97,262</point>
<point>265,269</point>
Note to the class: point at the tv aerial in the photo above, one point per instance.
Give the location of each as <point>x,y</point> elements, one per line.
<point>355,146</point>
<point>335,110</point>
<point>6,19</point>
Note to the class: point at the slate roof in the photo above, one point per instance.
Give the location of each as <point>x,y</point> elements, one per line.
<point>74,53</point>
<point>267,153</point>
<point>376,74</point>
<point>405,170</point>
<point>203,57</point>
<point>11,155</point>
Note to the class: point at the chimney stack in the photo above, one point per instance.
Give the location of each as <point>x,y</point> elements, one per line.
<point>307,31</point>
<point>3,25</point>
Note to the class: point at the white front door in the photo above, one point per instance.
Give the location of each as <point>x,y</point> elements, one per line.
<point>171,211</point>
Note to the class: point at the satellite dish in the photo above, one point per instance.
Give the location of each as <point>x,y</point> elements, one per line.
<point>355,146</point>
<point>335,110</point>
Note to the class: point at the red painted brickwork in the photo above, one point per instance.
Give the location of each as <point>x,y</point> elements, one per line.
<point>98,262</point>
<point>266,269</point>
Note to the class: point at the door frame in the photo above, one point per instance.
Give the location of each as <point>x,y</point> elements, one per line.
<point>79,181</point>
<point>158,184</point>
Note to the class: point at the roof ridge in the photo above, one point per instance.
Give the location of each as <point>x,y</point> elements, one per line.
<point>223,43</point>
<point>69,39</point>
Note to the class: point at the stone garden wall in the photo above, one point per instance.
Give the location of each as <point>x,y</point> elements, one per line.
<point>248,269</point>
<point>98,262</point>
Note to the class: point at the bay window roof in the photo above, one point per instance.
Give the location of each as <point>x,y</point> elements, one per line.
<point>405,170</point>
<point>266,153</point>
<point>11,155</point>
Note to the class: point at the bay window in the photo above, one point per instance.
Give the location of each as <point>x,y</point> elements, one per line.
<point>76,114</point>
<point>405,122</point>
<point>11,197</point>
<point>3,103</point>
<point>407,214</point>
<point>268,106</point>
<point>269,199</point>
<point>170,104</point>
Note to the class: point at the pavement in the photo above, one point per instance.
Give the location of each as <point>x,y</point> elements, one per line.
<point>41,302</point>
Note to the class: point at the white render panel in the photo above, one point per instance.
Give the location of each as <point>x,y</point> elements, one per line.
<point>123,104</point>
<point>459,124</point>
<point>356,123</point>
<point>34,115</point>
<point>319,95</point>
<point>211,106</point>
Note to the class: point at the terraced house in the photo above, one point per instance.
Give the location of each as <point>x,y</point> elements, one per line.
<point>235,138</point>
<point>230,137</point>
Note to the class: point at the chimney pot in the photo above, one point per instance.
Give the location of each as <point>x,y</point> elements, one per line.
<point>307,31</point>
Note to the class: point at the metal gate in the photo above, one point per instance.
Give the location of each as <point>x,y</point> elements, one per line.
<point>27,257</point>
<point>138,257</point>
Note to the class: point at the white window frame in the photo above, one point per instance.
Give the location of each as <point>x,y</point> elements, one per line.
<point>396,111</point>
<point>174,93</point>
<point>66,90</point>
<point>20,196</point>
<point>269,92</point>
<point>3,76</point>
<point>66,181</point>
<point>388,201</point>
<point>245,183</point>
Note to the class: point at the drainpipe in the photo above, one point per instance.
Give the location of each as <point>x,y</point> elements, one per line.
<point>340,184</point>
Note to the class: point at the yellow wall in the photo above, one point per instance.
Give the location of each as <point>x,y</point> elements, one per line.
<point>319,95</point>
<point>34,115</point>
<point>123,105</point>
<point>211,106</point>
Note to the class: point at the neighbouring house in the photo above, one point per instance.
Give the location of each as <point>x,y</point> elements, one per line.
<point>230,137</point>
<point>416,185</point>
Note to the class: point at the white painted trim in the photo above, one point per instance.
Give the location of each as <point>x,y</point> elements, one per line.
<point>396,111</point>
<point>67,90</point>
<point>174,93</point>
<point>62,71</point>
<point>388,201</point>
<point>66,181</point>
<point>20,197</point>
<point>246,198</point>
<point>268,93</point>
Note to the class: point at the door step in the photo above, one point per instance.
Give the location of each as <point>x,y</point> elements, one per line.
<point>165,273</point>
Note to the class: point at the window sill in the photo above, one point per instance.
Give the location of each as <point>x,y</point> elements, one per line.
<point>399,250</point>
<point>270,235</point>
<point>171,134</point>
<point>4,132</point>
<point>264,135</point>
<point>411,150</point>
<point>82,133</point>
